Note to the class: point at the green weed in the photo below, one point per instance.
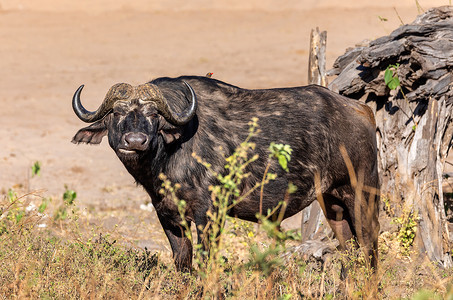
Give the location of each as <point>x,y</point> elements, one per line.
<point>63,212</point>
<point>407,224</point>
<point>393,82</point>
<point>36,169</point>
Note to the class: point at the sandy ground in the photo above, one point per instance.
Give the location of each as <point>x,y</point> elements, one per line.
<point>48,50</point>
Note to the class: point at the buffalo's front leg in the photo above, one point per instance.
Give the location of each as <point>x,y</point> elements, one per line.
<point>180,245</point>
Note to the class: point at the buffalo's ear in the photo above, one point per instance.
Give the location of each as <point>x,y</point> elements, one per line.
<point>92,134</point>
<point>169,132</point>
<point>171,135</point>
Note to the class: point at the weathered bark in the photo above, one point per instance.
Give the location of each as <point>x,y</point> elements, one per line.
<point>317,59</point>
<point>414,133</point>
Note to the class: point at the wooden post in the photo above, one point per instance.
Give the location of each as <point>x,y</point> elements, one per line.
<point>312,216</point>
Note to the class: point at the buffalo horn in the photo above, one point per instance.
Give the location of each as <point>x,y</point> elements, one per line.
<point>118,91</point>
<point>177,118</point>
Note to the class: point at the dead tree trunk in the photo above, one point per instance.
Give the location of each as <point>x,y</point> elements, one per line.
<point>414,122</point>
<point>316,238</point>
<point>317,60</point>
<point>312,216</point>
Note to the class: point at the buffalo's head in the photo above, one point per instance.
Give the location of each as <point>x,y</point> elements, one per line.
<point>134,117</point>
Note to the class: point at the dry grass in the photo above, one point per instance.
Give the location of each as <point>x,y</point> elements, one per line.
<point>54,263</point>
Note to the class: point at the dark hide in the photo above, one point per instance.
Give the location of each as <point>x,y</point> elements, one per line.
<point>314,121</point>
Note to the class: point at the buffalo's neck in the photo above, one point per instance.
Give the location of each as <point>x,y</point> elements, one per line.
<point>146,170</point>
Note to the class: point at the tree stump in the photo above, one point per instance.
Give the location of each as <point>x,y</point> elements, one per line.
<point>414,122</point>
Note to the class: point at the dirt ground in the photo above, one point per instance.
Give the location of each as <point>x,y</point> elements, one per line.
<point>48,48</point>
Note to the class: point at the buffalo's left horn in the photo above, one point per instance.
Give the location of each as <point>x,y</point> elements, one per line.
<point>178,118</point>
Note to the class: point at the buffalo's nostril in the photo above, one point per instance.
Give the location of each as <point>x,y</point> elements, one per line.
<point>136,141</point>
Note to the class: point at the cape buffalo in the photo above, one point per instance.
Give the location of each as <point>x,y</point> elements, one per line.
<point>155,127</point>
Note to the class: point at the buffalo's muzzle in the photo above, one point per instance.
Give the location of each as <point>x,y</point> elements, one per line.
<point>134,141</point>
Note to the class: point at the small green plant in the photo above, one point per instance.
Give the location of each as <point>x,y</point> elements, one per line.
<point>265,260</point>
<point>36,169</point>
<point>407,224</point>
<point>68,197</point>
<point>387,206</point>
<point>391,77</point>
<point>12,196</point>
<point>282,153</point>
<point>16,210</point>
<point>43,206</point>
<point>392,80</point>
<point>268,260</point>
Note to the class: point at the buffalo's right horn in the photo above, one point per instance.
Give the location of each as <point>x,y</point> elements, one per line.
<point>171,116</point>
<point>118,91</point>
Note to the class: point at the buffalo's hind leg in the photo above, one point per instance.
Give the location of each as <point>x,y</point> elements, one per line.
<point>337,214</point>
<point>348,223</point>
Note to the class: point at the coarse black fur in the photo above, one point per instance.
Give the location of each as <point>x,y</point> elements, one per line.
<point>314,121</point>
